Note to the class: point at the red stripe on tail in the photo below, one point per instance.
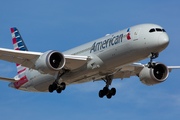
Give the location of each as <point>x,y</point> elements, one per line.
<point>22,81</point>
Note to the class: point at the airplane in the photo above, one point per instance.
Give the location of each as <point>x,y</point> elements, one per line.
<point>113,56</point>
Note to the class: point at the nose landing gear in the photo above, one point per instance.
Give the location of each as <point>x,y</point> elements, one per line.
<point>106,91</point>
<point>153,56</point>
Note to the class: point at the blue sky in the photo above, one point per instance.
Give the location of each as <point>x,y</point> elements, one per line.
<point>63,24</point>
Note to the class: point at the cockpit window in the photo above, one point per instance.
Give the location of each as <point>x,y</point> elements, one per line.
<point>156,30</point>
<point>152,30</point>
<point>163,30</point>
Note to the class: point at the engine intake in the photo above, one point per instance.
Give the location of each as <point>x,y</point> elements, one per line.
<point>49,62</point>
<point>154,75</point>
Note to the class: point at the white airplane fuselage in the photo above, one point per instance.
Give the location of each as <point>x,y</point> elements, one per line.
<point>106,56</point>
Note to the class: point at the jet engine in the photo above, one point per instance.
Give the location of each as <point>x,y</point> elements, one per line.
<point>154,75</point>
<point>50,62</point>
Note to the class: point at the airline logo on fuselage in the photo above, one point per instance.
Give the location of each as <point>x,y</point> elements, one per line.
<point>128,34</point>
<point>106,43</point>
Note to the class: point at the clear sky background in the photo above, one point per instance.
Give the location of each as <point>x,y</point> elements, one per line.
<point>64,24</point>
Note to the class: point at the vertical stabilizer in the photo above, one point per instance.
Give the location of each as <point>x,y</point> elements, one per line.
<point>18,42</point>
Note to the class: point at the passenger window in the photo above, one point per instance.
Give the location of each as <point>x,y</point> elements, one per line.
<point>152,30</point>
<point>158,29</point>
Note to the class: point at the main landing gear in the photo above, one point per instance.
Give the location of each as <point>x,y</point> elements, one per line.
<point>153,56</point>
<point>56,86</point>
<point>106,91</point>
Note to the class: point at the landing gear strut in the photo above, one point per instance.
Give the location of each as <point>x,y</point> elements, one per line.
<point>56,86</point>
<point>153,56</point>
<point>105,90</point>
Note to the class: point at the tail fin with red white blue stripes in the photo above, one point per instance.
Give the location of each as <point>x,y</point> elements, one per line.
<point>18,42</point>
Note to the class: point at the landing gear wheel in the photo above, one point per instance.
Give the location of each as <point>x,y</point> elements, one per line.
<point>105,90</point>
<point>101,94</point>
<point>113,91</point>
<point>63,86</point>
<point>54,86</point>
<point>59,90</point>
<point>51,89</point>
<point>109,96</point>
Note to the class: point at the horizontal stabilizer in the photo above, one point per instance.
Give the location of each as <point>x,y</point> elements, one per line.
<point>7,79</point>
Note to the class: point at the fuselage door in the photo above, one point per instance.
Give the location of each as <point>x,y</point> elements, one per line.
<point>136,34</point>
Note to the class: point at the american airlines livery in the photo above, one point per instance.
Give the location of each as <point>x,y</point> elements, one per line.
<point>111,57</point>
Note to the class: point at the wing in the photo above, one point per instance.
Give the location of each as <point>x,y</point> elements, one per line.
<point>134,69</point>
<point>173,67</point>
<point>20,57</point>
<point>28,59</point>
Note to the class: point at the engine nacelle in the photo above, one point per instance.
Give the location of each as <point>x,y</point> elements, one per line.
<point>155,75</point>
<point>49,62</point>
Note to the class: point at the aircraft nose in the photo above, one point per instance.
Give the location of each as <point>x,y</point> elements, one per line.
<point>163,40</point>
